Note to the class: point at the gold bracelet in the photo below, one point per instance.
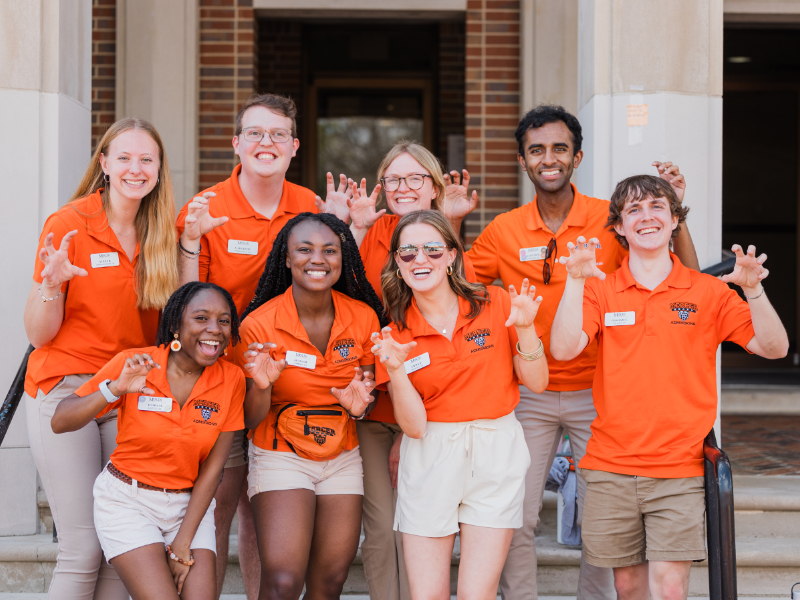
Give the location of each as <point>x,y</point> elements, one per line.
<point>535,355</point>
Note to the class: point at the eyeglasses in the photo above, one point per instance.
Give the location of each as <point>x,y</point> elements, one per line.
<point>256,134</point>
<point>547,271</point>
<point>414,182</point>
<point>432,250</point>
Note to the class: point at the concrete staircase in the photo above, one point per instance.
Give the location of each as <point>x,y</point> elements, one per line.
<point>767,545</point>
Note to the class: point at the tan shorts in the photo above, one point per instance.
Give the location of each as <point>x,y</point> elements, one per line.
<point>628,519</point>
<point>272,471</point>
<point>471,472</point>
<point>127,517</point>
<point>237,457</point>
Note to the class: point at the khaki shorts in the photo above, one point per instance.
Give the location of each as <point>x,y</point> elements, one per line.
<point>127,517</point>
<point>629,519</point>
<point>471,472</point>
<point>273,471</point>
<point>237,457</point>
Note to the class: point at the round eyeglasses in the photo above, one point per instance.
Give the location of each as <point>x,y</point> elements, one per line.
<point>256,134</point>
<point>414,182</point>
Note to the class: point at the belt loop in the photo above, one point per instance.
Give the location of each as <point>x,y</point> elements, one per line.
<point>134,486</point>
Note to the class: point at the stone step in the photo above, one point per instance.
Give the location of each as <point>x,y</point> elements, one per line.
<point>760,400</point>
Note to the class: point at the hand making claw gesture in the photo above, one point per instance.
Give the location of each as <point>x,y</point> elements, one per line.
<point>581,262</point>
<point>390,352</point>
<point>457,204</point>
<point>57,267</point>
<point>362,206</point>
<point>198,220</point>
<point>749,270</point>
<point>133,376</point>
<point>336,198</point>
<point>524,306</point>
<point>672,175</point>
<point>355,398</point>
<point>264,369</point>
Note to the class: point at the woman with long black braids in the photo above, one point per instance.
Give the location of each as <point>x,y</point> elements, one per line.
<point>179,407</point>
<point>305,352</point>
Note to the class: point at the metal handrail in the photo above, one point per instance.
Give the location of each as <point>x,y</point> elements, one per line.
<point>721,534</point>
<point>13,397</point>
<point>721,268</point>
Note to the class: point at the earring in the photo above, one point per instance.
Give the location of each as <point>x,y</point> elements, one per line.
<point>398,274</point>
<point>158,179</point>
<point>175,345</point>
<point>449,269</point>
<point>106,178</point>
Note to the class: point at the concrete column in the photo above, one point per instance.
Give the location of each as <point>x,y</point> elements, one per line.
<point>157,69</point>
<point>637,55</point>
<point>45,117</point>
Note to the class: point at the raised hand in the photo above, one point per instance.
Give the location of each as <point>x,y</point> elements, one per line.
<point>581,262</point>
<point>264,369</point>
<point>749,270</point>
<point>336,199</point>
<point>57,267</point>
<point>524,306</point>
<point>672,175</point>
<point>457,203</point>
<point>362,206</point>
<point>389,351</point>
<point>198,220</point>
<point>356,396</point>
<point>133,376</point>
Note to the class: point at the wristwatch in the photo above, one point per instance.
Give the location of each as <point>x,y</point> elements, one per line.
<point>107,392</point>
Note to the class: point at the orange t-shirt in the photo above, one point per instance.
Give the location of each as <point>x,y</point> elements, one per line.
<point>234,255</point>
<point>498,253</point>
<point>100,313</point>
<point>349,346</point>
<point>374,254</point>
<point>472,376</point>
<point>166,449</point>
<point>655,388</point>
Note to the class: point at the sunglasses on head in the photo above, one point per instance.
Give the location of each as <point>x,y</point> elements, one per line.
<point>432,250</point>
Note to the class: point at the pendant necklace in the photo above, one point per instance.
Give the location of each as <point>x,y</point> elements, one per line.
<point>449,312</point>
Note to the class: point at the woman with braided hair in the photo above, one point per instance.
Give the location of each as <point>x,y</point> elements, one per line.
<point>305,353</point>
<point>179,407</point>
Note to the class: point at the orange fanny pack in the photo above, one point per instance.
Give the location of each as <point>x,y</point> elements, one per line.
<point>318,433</point>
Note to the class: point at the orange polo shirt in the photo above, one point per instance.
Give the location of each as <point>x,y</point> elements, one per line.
<point>472,376</point>
<point>499,252</point>
<point>100,313</point>
<point>349,346</point>
<point>234,255</point>
<point>374,254</point>
<point>655,388</point>
<point>166,449</point>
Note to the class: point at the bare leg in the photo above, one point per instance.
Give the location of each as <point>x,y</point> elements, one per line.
<point>632,582</point>
<point>249,561</point>
<point>669,580</point>
<point>227,498</point>
<point>337,527</point>
<point>158,584</point>
<point>483,554</point>
<point>428,564</point>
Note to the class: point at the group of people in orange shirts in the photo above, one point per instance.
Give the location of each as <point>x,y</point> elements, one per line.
<point>318,366</point>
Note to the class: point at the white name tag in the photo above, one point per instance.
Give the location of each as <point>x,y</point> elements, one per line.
<point>105,259</point>
<point>620,318</point>
<point>298,359</point>
<point>538,253</point>
<point>242,247</point>
<point>416,363</point>
<point>155,404</point>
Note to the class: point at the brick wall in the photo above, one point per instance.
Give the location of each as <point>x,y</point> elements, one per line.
<point>104,56</point>
<point>492,107</point>
<point>451,83</point>
<point>228,68</point>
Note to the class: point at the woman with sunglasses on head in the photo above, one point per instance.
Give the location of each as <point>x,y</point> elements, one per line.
<point>305,352</point>
<point>452,361</point>
<point>179,407</point>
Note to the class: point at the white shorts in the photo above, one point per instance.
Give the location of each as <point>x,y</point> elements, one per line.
<point>127,517</point>
<point>471,472</point>
<point>274,471</point>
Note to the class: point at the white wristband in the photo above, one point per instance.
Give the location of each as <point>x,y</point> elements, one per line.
<point>107,392</point>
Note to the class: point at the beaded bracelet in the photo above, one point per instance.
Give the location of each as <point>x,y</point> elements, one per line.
<point>177,558</point>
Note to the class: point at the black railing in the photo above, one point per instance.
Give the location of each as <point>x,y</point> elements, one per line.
<point>721,534</point>
<point>13,397</point>
<point>721,268</point>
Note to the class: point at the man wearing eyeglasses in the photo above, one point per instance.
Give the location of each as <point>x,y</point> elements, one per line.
<point>226,234</point>
<point>525,243</point>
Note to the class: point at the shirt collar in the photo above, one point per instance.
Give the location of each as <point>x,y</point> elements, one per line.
<point>211,377</point>
<point>575,218</point>
<point>419,326</point>
<point>679,277</point>
<point>97,225</point>
<point>240,208</point>
<point>287,318</point>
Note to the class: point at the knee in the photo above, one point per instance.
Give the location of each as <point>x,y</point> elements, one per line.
<point>671,586</point>
<point>281,585</point>
<point>80,547</point>
<point>628,584</point>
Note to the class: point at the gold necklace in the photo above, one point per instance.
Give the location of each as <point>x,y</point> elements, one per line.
<point>449,312</point>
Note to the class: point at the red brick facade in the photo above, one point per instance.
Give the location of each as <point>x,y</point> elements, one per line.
<point>104,57</point>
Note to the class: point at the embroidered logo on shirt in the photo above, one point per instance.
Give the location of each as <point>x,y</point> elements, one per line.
<point>206,409</point>
<point>684,309</point>
<point>479,337</point>
<point>321,433</point>
<point>343,348</point>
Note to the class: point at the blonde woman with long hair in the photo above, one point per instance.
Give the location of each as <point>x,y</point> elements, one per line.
<point>105,266</point>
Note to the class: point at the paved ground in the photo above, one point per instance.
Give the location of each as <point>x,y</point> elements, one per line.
<point>762,444</point>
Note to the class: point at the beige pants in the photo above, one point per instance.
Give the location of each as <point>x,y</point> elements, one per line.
<point>68,465</point>
<point>544,417</point>
<point>382,548</point>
